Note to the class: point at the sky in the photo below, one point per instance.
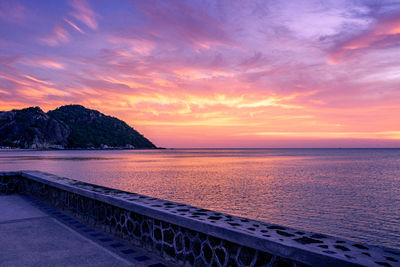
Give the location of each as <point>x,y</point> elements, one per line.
<point>212,73</point>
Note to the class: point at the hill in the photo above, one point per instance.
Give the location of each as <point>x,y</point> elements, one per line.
<point>71,126</point>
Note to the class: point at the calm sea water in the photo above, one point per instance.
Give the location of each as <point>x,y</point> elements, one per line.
<point>350,193</point>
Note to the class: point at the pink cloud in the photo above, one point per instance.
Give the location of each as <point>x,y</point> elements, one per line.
<point>84,13</point>
<point>222,73</point>
<point>58,36</point>
<point>49,63</point>
<point>183,23</point>
<point>73,25</point>
<point>385,32</point>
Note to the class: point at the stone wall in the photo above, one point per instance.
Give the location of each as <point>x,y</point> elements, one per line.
<point>9,183</point>
<point>190,236</point>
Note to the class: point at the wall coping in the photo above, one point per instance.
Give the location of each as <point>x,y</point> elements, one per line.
<point>302,246</point>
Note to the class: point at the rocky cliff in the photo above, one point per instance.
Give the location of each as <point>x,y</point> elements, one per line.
<point>71,126</point>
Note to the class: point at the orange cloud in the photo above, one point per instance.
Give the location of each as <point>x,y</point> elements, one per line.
<point>325,135</point>
<point>4,92</point>
<point>37,80</point>
<point>189,76</point>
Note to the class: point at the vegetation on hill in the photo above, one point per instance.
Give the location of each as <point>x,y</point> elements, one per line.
<point>90,128</point>
<point>71,126</point>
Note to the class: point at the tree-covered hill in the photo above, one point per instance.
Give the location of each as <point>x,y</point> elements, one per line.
<point>71,126</point>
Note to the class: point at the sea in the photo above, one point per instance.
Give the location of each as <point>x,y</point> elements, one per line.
<point>348,193</point>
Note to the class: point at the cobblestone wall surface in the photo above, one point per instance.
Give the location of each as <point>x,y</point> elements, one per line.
<point>9,184</point>
<point>192,236</point>
<point>178,244</point>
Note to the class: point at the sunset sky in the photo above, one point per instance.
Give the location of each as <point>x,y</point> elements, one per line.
<point>212,73</point>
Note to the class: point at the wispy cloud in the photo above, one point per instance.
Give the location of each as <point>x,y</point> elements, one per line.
<point>382,34</point>
<point>84,13</point>
<point>58,36</point>
<point>42,62</point>
<point>234,71</point>
<point>48,63</point>
<point>183,22</point>
<point>73,25</point>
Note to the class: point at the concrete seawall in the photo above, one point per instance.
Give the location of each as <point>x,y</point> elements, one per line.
<point>188,235</point>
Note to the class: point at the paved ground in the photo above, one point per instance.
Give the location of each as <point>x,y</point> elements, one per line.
<point>33,234</point>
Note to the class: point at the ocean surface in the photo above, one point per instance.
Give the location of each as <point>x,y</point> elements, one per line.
<point>350,193</point>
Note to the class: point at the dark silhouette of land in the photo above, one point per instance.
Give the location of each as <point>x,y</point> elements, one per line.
<point>67,127</point>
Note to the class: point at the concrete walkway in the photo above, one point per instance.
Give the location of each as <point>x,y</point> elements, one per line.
<point>33,234</point>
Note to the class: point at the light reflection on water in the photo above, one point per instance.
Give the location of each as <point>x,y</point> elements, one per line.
<point>351,193</point>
